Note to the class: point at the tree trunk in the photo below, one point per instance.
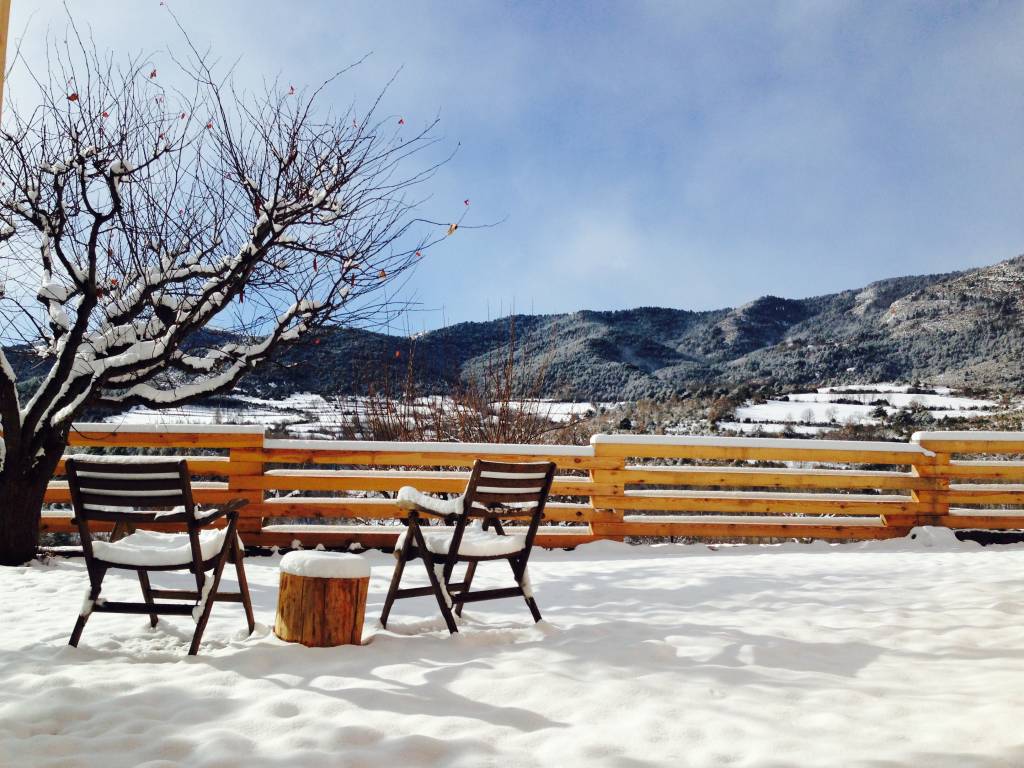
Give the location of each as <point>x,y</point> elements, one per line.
<point>21,501</point>
<point>22,487</point>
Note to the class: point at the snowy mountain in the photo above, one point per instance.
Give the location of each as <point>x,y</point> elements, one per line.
<point>962,329</point>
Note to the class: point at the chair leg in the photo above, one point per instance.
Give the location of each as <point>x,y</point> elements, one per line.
<point>243,586</point>
<point>211,597</point>
<point>95,584</point>
<point>147,595</point>
<point>522,577</point>
<point>470,572</point>
<point>439,587</point>
<point>396,579</point>
<point>440,590</point>
<point>534,610</point>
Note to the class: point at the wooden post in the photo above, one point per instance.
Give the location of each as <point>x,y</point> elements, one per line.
<point>5,20</point>
<point>244,484</point>
<point>614,477</point>
<point>932,504</point>
<point>936,500</point>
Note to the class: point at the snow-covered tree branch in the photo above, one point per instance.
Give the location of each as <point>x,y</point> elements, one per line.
<point>156,243</point>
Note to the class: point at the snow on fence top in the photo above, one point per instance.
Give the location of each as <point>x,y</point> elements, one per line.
<point>760,442</point>
<point>396,447</point>
<point>1007,437</point>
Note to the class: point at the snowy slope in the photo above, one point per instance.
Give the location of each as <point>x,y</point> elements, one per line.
<point>881,654</point>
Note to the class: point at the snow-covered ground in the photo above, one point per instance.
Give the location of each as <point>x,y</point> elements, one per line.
<point>879,654</point>
<point>934,402</point>
<point>807,412</point>
<point>804,413</point>
<point>315,415</point>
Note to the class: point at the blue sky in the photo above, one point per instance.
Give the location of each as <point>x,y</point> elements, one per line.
<point>691,155</point>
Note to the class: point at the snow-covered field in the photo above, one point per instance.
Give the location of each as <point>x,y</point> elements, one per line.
<point>879,654</point>
<point>771,428</point>
<point>810,412</point>
<point>804,413</point>
<point>315,415</point>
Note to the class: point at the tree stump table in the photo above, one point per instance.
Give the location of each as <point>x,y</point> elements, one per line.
<point>322,598</point>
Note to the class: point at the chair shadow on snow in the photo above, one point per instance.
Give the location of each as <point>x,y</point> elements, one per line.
<point>446,656</point>
<point>432,695</point>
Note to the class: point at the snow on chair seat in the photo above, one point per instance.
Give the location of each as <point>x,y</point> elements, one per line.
<point>476,542</point>
<point>154,548</point>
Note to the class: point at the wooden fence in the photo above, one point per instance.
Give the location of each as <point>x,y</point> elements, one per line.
<point>335,492</point>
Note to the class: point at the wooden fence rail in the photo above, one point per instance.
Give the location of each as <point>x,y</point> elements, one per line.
<point>338,492</point>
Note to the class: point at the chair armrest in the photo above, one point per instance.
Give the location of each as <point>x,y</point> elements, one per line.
<point>209,515</point>
<point>412,500</point>
<point>409,506</point>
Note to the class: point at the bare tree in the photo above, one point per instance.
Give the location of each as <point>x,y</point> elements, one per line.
<point>157,243</point>
<point>499,402</point>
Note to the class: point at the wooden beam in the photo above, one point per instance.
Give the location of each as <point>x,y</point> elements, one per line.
<point>985,470</point>
<point>378,536</point>
<point>985,495</point>
<point>126,438</point>
<point>740,530</point>
<point>388,509</point>
<point>413,458</point>
<point>202,465</point>
<point>760,504</point>
<point>983,522</point>
<point>757,453</point>
<point>757,477</point>
<point>971,446</point>
<point>428,482</point>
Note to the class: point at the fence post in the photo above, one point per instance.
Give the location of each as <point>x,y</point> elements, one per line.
<point>935,500</point>
<point>244,481</point>
<point>604,523</point>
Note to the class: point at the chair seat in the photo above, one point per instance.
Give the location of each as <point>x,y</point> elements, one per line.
<point>476,542</point>
<point>154,548</point>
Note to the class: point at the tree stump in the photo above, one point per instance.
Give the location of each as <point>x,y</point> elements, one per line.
<point>322,598</point>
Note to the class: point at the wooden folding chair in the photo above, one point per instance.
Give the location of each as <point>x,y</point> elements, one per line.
<point>114,491</point>
<point>495,492</point>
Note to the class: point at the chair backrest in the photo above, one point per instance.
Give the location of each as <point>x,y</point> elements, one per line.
<point>499,489</point>
<point>113,489</point>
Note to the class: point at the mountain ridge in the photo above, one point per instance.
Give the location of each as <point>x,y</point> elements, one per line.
<point>959,328</point>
